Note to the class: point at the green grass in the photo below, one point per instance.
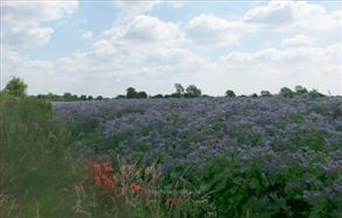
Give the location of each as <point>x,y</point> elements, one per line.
<point>37,163</point>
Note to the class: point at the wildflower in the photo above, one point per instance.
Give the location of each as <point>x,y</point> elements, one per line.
<point>108,182</point>
<point>107,167</point>
<point>135,187</point>
<point>96,168</point>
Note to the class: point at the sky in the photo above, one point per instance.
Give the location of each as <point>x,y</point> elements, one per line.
<point>104,47</point>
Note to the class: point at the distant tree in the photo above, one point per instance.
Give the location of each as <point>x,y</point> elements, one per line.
<point>83,97</point>
<point>158,96</point>
<point>265,93</point>
<point>131,93</point>
<point>193,92</point>
<point>315,94</point>
<point>16,87</point>
<point>179,90</point>
<point>230,93</point>
<point>99,97</point>
<point>300,90</point>
<point>120,96</point>
<point>90,97</point>
<point>67,96</point>
<point>141,95</point>
<point>286,92</point>
<point>254,95</point>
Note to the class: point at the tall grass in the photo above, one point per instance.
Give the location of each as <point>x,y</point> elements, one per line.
<point>37,164</point>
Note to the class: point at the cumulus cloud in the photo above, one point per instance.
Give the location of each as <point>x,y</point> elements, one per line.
<point>22,21</point>
<point>129,9</point>
<point>298,41</point>
<point>294,14</point>
<point>208,30</point>
<point>314,67</point>
<point>275,13</point>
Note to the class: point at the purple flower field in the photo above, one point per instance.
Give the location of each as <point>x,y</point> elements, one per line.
<point>299,139</point>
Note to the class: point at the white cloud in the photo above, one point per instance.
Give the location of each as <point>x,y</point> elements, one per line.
<point>146,28</point>
<point>208,30</point>
<point>298,41</point>
<point>129,9</point>
<point>294,14</point>
<point>21,21</point>
<point>103,48</point>
<point>313,67</point>
<point>275,13</point>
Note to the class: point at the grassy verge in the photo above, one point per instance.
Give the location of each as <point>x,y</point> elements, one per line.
<point>38,166</point>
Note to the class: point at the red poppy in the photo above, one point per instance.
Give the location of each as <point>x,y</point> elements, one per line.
<point>135,187</point>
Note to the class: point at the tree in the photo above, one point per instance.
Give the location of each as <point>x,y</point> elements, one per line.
<point>265,93</point>
<point>141,95</point>
<point>99,97</point>
<point>286,92</point>
<point>120,96</point>
<point>193,92</point>
<point>16,87</point>
<point>230,93</point>
<point>179,90</point>
<point>158,96</point>
<point>254,95</point>
<point>315,94</point>
<point>83,97</point>
<point>67,96</point>
<point>300,90</point>
<point>90,97</point>
<point>131,93</point>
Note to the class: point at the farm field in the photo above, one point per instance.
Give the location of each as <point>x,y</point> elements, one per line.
<point>231,157</point>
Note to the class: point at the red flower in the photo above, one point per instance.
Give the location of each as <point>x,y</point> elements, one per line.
<point>108,182</point>
<point>96,168</point>
<point>135,187</point>
<point>107,167</point>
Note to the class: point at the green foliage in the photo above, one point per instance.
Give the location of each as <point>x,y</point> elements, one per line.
<point>16,87</point>
<point>230,93</point>
<point>193,92</point>
<point>37,162</point>
<point>300,90</point>
<point>286,92</point>
<point>132,93</point>
<point>265,93</point>
<point>265,185</point>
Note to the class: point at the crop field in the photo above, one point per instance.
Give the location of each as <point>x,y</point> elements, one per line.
<point>201,157</point>
<point>221,157</point>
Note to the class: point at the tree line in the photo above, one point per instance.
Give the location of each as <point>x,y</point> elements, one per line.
<point>17,87</point>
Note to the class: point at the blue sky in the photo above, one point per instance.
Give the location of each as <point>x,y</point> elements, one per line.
<point>103,47</point>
